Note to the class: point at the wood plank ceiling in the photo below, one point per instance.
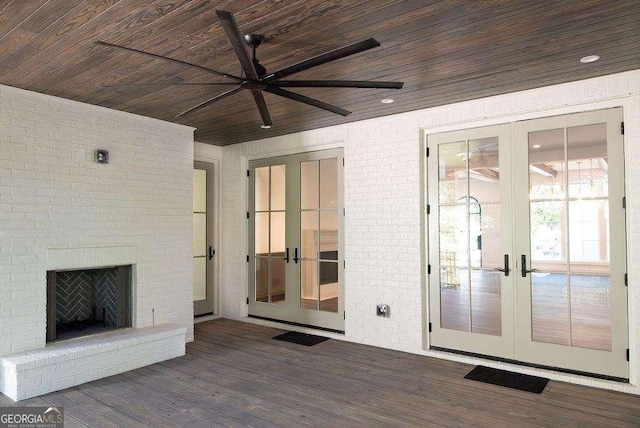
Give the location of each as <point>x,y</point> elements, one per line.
<point>444,51</point>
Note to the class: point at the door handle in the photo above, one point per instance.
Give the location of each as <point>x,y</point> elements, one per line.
<point>295,255</point>
<point>523,266</point>
<point>506,269</point>
<point>212,252</point>
<point>286,257</point>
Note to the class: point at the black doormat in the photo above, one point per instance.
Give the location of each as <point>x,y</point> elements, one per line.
<point>509,379</point>
<point>301,338</point>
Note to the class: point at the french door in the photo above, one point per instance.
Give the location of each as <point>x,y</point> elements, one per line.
<point>203,251</point>
<point>528,241</point>
<point>296,239</point>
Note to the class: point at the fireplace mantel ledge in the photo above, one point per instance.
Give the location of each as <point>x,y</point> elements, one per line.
<point>71,362</point>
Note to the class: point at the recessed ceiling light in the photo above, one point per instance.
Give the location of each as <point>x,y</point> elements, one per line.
<point>589,58</point>
<point>536,146</point>
<point>387,101</point>
<point>265,126</point>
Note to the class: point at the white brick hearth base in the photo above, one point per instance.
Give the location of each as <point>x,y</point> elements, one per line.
<point>73,362</point>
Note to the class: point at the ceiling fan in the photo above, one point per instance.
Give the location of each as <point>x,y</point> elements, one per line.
<point>254,76</point>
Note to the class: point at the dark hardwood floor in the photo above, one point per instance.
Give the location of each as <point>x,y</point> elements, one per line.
<point>234,374</point>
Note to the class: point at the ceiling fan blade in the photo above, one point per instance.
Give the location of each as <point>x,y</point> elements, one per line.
<point>323,58</point>
<point>116,85</point>
<point>262,106</point>
<point>170,59</point>
<point>233,33</point>
<point>335,84</point>
<point>307,100</point>
<point>210,101</point>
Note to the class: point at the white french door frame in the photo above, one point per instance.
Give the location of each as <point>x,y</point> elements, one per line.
<point>523,347</point>
<point>291,310</point>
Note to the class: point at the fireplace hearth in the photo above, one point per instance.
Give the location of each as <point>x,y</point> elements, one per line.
<point>87,301</point>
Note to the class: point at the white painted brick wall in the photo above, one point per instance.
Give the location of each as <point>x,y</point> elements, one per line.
<point>382,194</point>
<point>53,197</point>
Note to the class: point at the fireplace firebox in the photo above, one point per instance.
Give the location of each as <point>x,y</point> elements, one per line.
<point>88,301</point>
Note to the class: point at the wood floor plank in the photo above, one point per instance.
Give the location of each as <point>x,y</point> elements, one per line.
<point>235,375</point>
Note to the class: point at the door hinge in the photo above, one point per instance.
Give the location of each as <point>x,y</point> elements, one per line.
<point>624,202</point>
<point>247,214</point>
<point>428,209</point>
<point>344,212</point>
<point>344,264</point>
<point>247,300</point>
<point>627,354</point>
<point>428,269</point>
<point>342,161</point>
<point>427,151</point>
<point>247,258</point>
<point>626,279</point>
<point>344,315</point>
<point>430,327</point>
<point>622,128</point>
<point>248,174</point>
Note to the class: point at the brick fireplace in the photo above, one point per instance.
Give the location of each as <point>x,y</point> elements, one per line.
<point>60,211</point>
<point>88,301</point>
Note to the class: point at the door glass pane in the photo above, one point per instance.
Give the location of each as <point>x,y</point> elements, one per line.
<point>277,187</point>
<point>329,286</point>
<point>548,235</point>
<point>199,190</point>
<point>469,236</point>
<point>550,308</point>
<point>547,164</point>
<point>484,175</point>
<point>309,235</point>
<point>199,234</point>
<point>591,312</point>
<point>261,188</point>
<point>309,284</point>
<point>454,248</point>
<point>277,234</point>
<point>277,280</point>
<point>485,302</point>
<point>262,234</point>
<point>329,235</point>
<point>587,151</point>
<point>485,241</point>
<point>309,187</point>
<point>452,172</point>
<point>589,242</point>
<point>329,183</point>
<point>454,297</point>
<point>262,279</point>
<point>199,278</point>
<point>569,216</point>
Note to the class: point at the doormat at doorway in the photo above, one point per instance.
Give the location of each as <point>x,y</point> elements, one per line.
<point>301,338</point>
<point>509,379</point>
